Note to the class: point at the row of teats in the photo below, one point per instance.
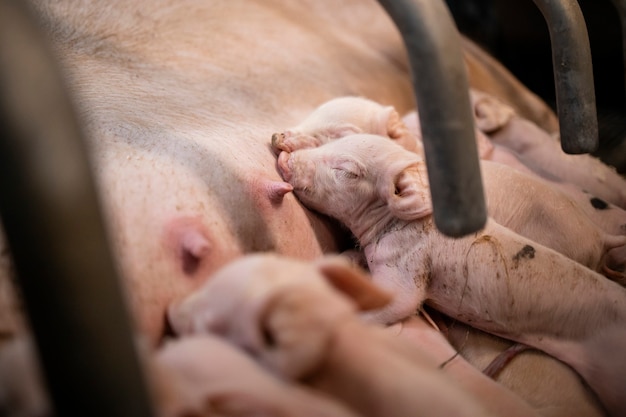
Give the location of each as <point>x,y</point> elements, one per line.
<point>31,215</point>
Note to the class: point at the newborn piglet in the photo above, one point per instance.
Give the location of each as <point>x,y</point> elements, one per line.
<point>300,320</point>
<point>542,153</point>
<point>344,116</point>
<point>494,280</point>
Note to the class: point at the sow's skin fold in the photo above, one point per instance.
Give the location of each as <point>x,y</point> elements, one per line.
<point>300,320</point>
<point>494,280</point>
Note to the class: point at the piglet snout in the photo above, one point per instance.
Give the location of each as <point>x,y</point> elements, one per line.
<point>277,140</point>
<point>283,165</point>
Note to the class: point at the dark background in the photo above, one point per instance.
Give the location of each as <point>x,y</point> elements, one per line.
<point>515,32</point>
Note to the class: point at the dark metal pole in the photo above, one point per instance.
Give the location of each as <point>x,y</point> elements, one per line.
<point>573,75</point>
<point>442,93</point>
<point>54,228</point>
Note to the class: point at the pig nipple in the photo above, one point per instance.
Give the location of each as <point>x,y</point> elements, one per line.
<point>276,191</point>
<point>194,248</point>
<point>189,243</point>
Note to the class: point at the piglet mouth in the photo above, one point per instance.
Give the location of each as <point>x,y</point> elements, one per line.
<point>283,165</point>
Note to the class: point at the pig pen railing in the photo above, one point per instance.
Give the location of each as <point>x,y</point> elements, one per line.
<point>51,217</point>
<point>573,75</point>
<point>447,124</point>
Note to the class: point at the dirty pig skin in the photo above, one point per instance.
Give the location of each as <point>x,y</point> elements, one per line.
<point>495,280</point>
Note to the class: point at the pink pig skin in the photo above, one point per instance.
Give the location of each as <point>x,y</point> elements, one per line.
<point>535,209</point>
<point>288,316</point>
<point>551,387</point>
<point>495,280</point>
<point>341,117</point>
<point>203,375</point>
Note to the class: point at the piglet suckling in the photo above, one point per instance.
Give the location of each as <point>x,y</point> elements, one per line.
<point>517,197</point>
<point>345,116</point>
<point>300,320</point>
<point>522,202</point>
<point>495,280</point>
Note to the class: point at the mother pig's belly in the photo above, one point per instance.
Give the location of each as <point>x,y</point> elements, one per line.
<point>181,99</point>
<point>181,206</point>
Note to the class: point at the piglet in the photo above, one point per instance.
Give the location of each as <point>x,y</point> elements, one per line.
<point>203,375</point>
<point>542,152</point>
<point>494,280</point>
<point>345,116</point>
<point>300,320</point>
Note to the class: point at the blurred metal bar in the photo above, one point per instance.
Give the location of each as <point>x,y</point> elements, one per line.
<point>442,93</point>
<point>573,75</point>
<point>53,224</point>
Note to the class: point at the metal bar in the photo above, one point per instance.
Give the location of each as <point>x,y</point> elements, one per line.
<point>573,75</point>
<point>442,93</point>
<point>54,227</point>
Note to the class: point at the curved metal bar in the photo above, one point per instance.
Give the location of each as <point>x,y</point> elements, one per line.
<point>573,75</point>
<point>442,93</point>
<point>51,217</point>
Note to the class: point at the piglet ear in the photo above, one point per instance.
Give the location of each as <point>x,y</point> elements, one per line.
<point>410,197</point>
<point>398,131</point>
<point>352,282</point>
<point>490,114</point>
